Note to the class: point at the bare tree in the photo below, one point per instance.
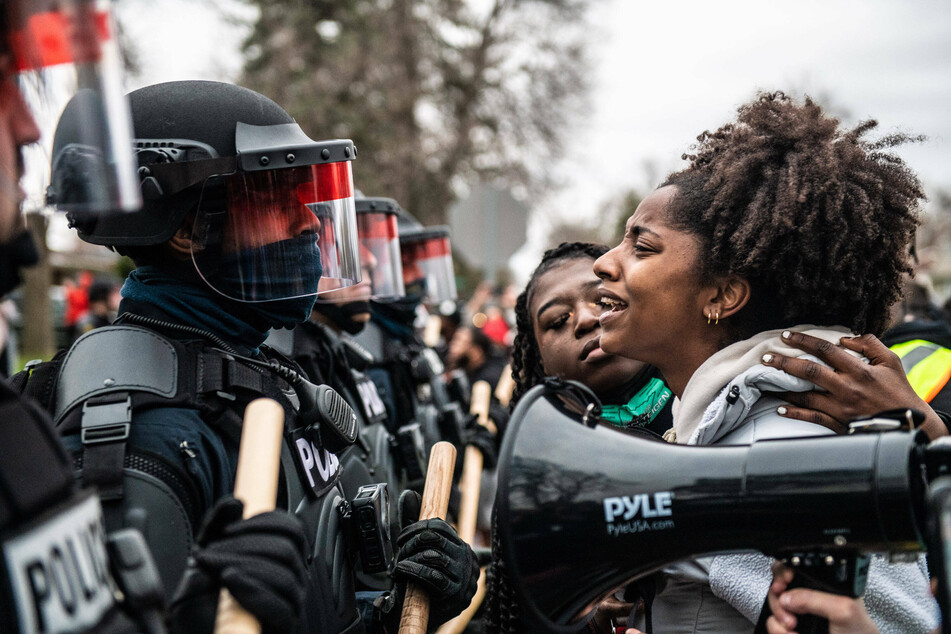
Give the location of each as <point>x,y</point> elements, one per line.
<point>434,92</point>
<point>607,227</point>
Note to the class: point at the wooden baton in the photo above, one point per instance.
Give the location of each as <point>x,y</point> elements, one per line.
<point>259,461</point>
<point>432,331</point>
<point>505,386</point>
<point>442,462</point>
<point>470,486</point>
<point>470,483</point>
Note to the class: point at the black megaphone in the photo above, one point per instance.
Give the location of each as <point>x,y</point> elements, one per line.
<point>584,507</point>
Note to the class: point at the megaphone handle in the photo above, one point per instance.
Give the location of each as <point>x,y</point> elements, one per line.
<point>435,503</point>
<point>808,623</point>
<point>805,623</point>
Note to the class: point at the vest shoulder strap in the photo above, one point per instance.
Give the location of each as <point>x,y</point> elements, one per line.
<point>116,359</point>
<point>111,372</point>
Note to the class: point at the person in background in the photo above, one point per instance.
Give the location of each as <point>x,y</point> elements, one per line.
<point>921,337</point>
<point>76,297</point>
<point>472,351</point>
<point>102,310</point>
<point>496,328</point>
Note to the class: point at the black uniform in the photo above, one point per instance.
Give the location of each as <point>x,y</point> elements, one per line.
<point>328,357</point>
<point>56,573</point>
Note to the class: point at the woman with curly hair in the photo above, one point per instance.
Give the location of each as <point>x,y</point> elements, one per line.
<point>783,224</point>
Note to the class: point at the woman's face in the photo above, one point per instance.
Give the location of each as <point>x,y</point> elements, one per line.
<point>652,285</point>
<point>564,311</point>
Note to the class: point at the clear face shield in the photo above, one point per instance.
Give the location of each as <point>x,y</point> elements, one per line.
<point>379,258</point>
<point>380,251</point>
<point>427,264</point>
<point>282,225</point>
<point>64,49</point>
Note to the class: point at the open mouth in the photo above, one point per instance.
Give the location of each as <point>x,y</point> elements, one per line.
<point>612,305</point>
<point>609,301</point>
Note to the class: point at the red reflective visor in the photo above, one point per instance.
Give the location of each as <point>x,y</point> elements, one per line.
<point>427,255</point>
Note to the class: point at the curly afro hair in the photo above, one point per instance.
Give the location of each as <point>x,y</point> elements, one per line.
<point>526,358</point>
<point>818,220</point>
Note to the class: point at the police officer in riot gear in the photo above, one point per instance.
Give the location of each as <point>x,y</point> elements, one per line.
<point>58,569</point>
<point>409,375</point>
<point>325,349</point>
<point>244,220</point>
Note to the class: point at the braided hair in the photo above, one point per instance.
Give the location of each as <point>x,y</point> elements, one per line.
<point>817,219</point>
<point>526,358</point>
<point>502,612</point>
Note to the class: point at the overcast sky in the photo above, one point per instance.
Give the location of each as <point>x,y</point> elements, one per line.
<point>665,71</point>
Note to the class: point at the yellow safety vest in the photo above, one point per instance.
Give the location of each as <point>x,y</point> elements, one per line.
<point>927,365</point>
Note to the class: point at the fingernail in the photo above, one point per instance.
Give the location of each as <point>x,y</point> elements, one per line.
<point>767,358</point>
<point>786,601</point>
<point>781,411</point>
<point>786,334</point>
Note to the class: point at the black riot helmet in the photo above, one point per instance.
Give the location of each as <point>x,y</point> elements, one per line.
<point>272,211</point>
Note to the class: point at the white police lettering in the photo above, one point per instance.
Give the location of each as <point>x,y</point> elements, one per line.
<point>372,403</point>
<point>59,572</point>
<point>643,504</point>
<point>319,464</point>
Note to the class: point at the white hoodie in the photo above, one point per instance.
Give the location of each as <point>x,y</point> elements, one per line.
<point>729,400</point>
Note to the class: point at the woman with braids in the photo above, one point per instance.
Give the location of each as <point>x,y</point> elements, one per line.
<point>557,334</point>
<point>783,225</point>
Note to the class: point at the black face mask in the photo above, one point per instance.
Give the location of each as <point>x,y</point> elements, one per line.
<point>416,290</point>
<point>401,311</point>
<point>18,253</point>
<point>342,314</point>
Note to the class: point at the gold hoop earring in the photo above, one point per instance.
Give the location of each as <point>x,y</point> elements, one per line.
<point>709,319</point>
<point>717,319</point>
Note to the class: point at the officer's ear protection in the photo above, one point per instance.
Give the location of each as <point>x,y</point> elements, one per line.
<point>584,508</point>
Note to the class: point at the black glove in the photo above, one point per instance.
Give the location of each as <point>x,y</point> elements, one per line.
<point>499,416</point>
<point>433,556</point>
<point>485,441</point>
<point>260,560</point>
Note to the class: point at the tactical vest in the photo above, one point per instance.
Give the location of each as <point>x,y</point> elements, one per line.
<point>55,574</point>
<point>323,355</point>
<point>927,366</point>
<point>110,375</point>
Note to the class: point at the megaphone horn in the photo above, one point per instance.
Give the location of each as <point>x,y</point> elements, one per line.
<point>582,509</point>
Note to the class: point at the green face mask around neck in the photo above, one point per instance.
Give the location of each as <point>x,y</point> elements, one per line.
<point>643,407</point>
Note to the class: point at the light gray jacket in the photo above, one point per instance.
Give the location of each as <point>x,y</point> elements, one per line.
<point>725,593</point>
